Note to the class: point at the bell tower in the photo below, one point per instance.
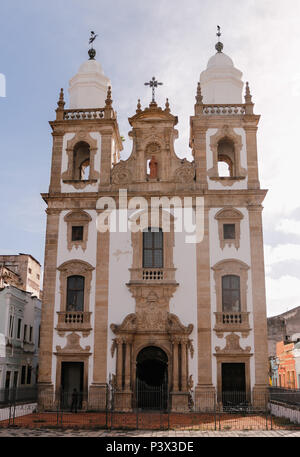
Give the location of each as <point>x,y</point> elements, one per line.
<point>230,262</point>
<point>86,144</point>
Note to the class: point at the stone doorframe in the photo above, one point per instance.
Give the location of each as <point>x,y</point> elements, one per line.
<point>165,332</point>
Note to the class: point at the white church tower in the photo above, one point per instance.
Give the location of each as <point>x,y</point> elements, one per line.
<point>145,310</point>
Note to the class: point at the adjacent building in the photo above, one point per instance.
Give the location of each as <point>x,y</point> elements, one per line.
<point>20,316</point>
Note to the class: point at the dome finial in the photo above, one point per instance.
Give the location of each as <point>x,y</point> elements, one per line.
<point>219,46</point>
<point>91,51</point>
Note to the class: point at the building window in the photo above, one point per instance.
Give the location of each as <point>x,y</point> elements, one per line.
<point>75,293</point>
<point>30,270</point>
<point>153,248</point>
<point>77,232</point>
<point>30,333</point>
<point>81,161</point>
<point>231,293</point>
<point>23,374</point>
<point>11,326</point>
<point>28,380</point>
<point>25,332</point>
<point>38,276</point>
<point>229,231</point>
<point>19,328</point>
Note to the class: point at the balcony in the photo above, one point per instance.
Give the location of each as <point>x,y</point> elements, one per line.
<point>232,322</point>
<point>224,109</point>
<point>74,321</point>
<point>152,275</point>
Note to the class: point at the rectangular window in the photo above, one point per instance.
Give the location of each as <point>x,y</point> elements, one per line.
<point>28,375</point>
<point>39,339</point>
<point>19,328</point>
<point>11,326</point>
<point>7,380</point>
<point>30,270</point>
<point>23,374</point>
<point>229,231</point>
<point>77,233</point>
<point>231,293</point>
<point>30,334</point>
<point>25,332</point>
<point>153,249</point>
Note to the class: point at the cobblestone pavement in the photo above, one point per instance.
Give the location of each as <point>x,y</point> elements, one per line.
<point>23,432</point>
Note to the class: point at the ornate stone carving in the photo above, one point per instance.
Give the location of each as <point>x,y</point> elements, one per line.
<point>73,345</point>
<point>120,173</point>
<point>232,346</point>
<point>185,173</point>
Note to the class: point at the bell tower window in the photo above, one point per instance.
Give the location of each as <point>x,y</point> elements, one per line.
<point>226,158</point>
<point>81,161</point>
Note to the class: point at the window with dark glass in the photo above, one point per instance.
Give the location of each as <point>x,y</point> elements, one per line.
<point>28,380</point>
<point>19,328</point>
<point>23,374</point>
<point>153,248</point>
<point>229,231</point>
<point>77,233</point>
<point>231,293</point>
<point>75,293</point>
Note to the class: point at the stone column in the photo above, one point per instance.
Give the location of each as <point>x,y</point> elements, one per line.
<point>175,365</point>
<point>199,148</point>
<point>183,366</point>
<point>106,154</point>
<point>127,365</point>
<point>55,179</point>
<point>259,304</point>
<point>45,385</point>
<point>101,315</point>
<point>252,165</point>
<point>119,363</point>
<point>204,391</point>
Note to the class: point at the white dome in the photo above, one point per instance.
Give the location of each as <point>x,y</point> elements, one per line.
<point>88,88</point>
<point>220,60</point>
<point>221,82</point>
<point>91,66</point>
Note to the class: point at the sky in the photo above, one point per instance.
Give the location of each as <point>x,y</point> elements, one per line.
<point>43,44</point>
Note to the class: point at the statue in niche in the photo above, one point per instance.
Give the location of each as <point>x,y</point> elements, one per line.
<point>153,167</point>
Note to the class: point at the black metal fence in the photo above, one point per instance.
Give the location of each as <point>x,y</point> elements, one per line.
<point>148,409</point>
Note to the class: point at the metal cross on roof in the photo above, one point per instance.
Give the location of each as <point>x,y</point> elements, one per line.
<point>153,83</point>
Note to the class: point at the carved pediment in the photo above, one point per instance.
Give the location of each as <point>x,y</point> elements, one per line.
<point>152,320</point>
<point>175,326</point>
<point>129,325</point>
<point>73,345</point>
<point>233,346</point>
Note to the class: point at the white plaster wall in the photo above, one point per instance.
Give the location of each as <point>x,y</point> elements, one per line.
<point>243,184</point>
<point>184,301</point>
<point>216,255</point>
<point>120,300</point>
<point>63,255</point>
<point>64,163</point>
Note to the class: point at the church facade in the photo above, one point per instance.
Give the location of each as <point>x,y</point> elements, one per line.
<point>148,304</point>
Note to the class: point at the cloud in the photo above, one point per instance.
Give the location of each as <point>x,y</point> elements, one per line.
<point>289,226</point>
<point>282,294</point>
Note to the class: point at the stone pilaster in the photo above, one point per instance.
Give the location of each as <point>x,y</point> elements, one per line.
<point>252,164</point>
<point>45,384</point>
<point>259,304</point>
<point>101,312</point>
<point>55,180</point>
<point>204,386</point>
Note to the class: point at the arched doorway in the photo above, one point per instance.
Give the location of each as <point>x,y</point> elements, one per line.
<point>152,378</point>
